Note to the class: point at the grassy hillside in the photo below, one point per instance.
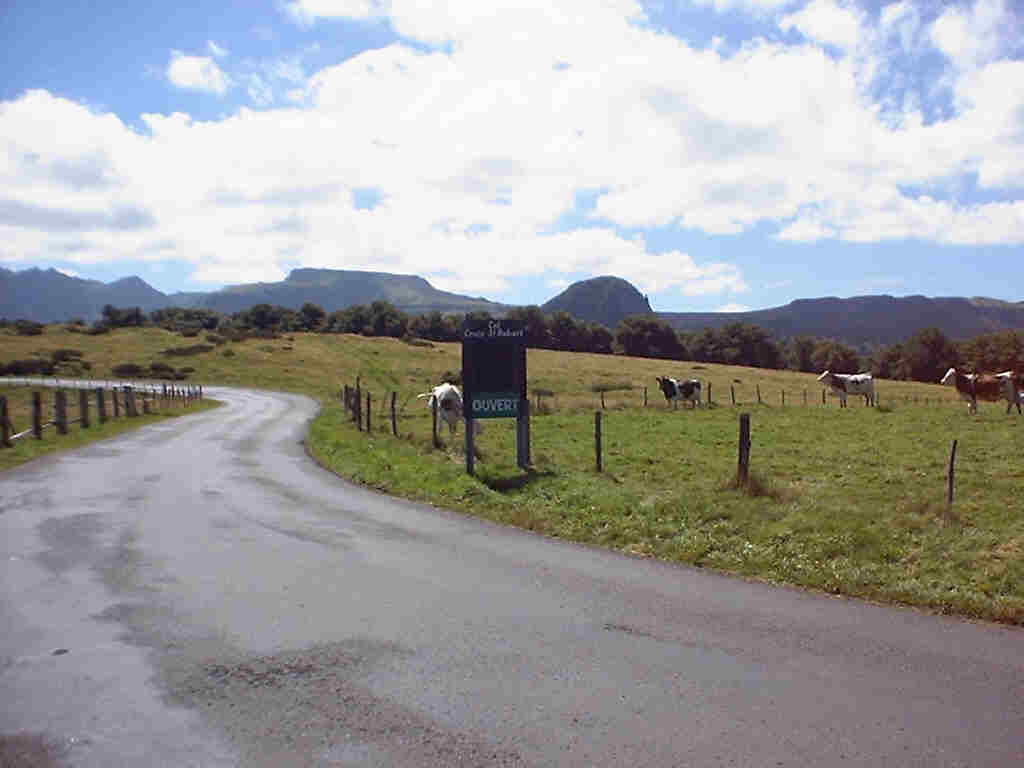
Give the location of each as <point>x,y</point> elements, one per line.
<point>848,501</point>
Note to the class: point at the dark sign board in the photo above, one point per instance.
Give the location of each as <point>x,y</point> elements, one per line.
<point>493,369</point>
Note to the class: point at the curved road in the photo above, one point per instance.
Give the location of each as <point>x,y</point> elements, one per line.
<point>200,593</point>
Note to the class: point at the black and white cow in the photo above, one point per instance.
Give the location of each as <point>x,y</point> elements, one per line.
<point>679,389</point>
<point>844,384</point>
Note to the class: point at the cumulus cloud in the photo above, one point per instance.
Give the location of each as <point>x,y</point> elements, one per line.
<point>197,73</point>
<point>826,21</point>
<point>216,50</point>
<point>478,152</point>
<point>976,34</point>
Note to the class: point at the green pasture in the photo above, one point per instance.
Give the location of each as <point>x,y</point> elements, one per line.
<point>850,501</point>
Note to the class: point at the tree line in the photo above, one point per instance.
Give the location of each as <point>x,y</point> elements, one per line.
<point>924,356</point>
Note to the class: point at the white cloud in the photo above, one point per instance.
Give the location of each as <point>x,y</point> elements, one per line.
<point>216,50</point>
<point>68,272</point>
<point>307,11</point>
<point>974,35</point>
<point>762,7</point>
<point>198,73</point>
<point>733,307</point>
<point>479,150</point>
<point>826,21</point>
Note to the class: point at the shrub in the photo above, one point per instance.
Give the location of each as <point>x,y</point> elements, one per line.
<point>228,353</point>
<point>98,329</point>
<point>190,333</point>
<point>34,367</point>
<point>195,349</point>
<point>127,370</point>
<point>63,355</point>
<point>187,369</point>
<point>161,370</point>
<point>28,328</point>
<point>215,338</point>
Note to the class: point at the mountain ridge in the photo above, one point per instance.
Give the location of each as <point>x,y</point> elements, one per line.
<point>52,296</point>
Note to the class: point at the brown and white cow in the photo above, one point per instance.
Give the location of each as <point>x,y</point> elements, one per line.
<point>844,384</point>
<point>983,386</point>
<point>679,389</point>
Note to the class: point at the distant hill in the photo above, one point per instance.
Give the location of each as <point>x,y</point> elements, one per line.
<point>336,289</point>
<point>48,296</point>
<point>603,300</point>
<point>867,320</point>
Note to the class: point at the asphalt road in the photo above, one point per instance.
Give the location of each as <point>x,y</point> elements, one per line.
<point>200,593</point>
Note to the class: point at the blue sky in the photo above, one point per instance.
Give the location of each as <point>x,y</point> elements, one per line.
<point>716,153</point>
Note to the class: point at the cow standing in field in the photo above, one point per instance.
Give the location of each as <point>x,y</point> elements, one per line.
<point>679,389</point>
<point>985,386</point>
<point>449,405</point>
<point>843,384</point>
<point>1013,388</point>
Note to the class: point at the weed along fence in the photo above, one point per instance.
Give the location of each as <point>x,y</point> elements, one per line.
<point>31,406</point>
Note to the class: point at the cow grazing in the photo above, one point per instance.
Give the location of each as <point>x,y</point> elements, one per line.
<point>1013,388</point>
<point>982,386</point>
<point>679,389</point>
<point>449,405</point>
<point>844,384</point>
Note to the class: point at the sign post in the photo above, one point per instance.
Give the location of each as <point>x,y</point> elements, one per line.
<point>494,381</point>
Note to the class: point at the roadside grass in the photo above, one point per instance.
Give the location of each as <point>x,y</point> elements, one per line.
<point>848,501</point>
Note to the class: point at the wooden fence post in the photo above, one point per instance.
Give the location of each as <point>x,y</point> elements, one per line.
<point>359,408</point>
<point>145,402</point>
<point>101,405</point>
<point>645,398</point>
<point>823,397</point>
<point>5,425</point>
<point>37,415</point>
<point>743,471</point>
<point>394,417</point>
<point>949,490</point>
<point>60,411</point>
<point>783,398</point>
<point>116,402</point>
<point>732,394</point>
<point>130,408</point>
<point>83,408</point>
<point>433,420</point>
<point>602,399</point>
<point>759,394</point>
<point>710,401</point>
<point>597,439</point>
<point>805,397</point>
<point>369,410</point>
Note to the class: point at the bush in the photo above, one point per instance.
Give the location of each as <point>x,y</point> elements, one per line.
<point>190,333</point>
<point>28,328</point>
<point>161,370</point>
<point>215,338</point>
<point>228,353</point>
<point>187,369</point>
<point>34,367</point>
<point>63,355</point>
<point>98,329</point>
<point>127,370</point>
<point>196,349</point>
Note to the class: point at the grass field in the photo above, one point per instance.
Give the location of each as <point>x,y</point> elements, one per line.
<point>850,501</point>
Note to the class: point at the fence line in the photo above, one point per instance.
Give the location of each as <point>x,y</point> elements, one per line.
<point>152,394</point>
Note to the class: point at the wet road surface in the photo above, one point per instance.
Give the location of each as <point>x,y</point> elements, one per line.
<point>200,593</point>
